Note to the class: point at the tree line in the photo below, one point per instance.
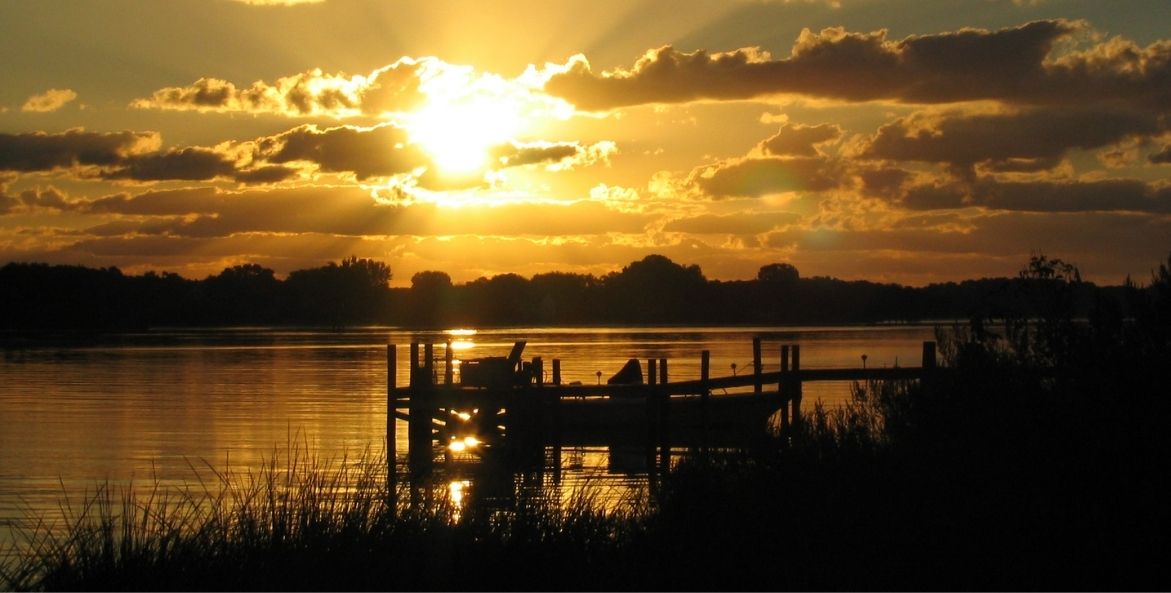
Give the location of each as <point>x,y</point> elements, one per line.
<point>356,291</point>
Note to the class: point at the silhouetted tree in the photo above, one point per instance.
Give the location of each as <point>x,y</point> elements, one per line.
<point>431,298</point>
<point>244,294</point>
<point>503,299</point>
<point>656,290</point>
<point>357,291</point>
<point>778,274</point>
<point>563,298</point>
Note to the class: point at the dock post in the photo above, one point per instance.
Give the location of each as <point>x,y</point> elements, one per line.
<point>757,385</point>
<point>705,362</point>
<point>928,355</point>
<point>556,403</point>
<point>429,362</point>
<point>652,409</point>
<point>538,371</point>
<point>783,387</point>
<point>414,365</point>
<point>664,416</point>
<point>929,365</point>
<point>449,366</point>
<point>796,369</point>
<point>419,412</point>
<point>391,407</point>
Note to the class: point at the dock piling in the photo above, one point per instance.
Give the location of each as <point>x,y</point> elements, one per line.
<point>795,353</point>
<point>391,395</point>
<point>448,366</point>
<point>783,387</point>
<point>757,384</point>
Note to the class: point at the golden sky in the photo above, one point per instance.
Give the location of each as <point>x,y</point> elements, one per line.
<point>890,140</point>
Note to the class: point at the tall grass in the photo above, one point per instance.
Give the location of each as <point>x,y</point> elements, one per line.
<point>303,522</point>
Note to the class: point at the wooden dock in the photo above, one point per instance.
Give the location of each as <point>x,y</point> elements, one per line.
<point>519,406</point>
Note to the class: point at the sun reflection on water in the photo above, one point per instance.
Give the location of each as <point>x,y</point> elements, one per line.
<point>456,492</point>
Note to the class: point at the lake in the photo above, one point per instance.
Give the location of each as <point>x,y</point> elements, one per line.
<point>174,406</point>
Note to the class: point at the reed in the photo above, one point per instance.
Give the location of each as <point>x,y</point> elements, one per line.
<point>303,522</point>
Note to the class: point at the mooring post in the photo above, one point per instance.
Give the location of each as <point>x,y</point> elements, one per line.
<point>796,369</point>
<point>928,355</point>
<point>664,414</point>
<point>555,401</point>
<point>413,367</point>
<point>757,385</point>
<point>652,412</point>
<point>929,365</point>
<point>419,412</point>
<point>391,407</point>
<point>429,362</point>
<point>538,371</point>
<point>449,364</point>
<point>783,387</point>
<point>705,361</point>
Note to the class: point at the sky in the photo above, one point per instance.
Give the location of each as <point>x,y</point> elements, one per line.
<point>888,140</point>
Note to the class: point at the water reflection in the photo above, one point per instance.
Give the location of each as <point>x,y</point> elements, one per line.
<point>178,406</point>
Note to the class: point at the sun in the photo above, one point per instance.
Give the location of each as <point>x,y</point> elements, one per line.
<point>459,134</point>
<point>465,115</point>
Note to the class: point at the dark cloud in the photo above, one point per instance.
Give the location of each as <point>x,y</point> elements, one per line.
<point>7,203</point>
<point>1013,65</point>
<point>1078,236</point>
<point>1163,156</point>
<point>267,174</point>
<point>755,177</point>
<point>1107,195</point>
<point>1025,141</point>
<point>190,164</point>
<point>884,181</point>
<point>175,202</point>
<point>312,93</point>
<point>41,151</point>
<point>799,140</point>
<point>516,155</point>
<point>37,199</point>
<point>379,151</point>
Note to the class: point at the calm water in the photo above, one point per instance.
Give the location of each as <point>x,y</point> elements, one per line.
<point>163,406</point>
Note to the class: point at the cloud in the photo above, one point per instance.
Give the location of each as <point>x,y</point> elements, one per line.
<point>34,199</point>
<point>209,212</point>
<point>50,100</point>
<point>378,151</point>
<point>1013,65</point>
<point>41,151</point>
<point>1163,156</point>
<point>1105,195</point>
<point>515,154</point>
<point>756,177</point>
<point>134,156</point>
<point>800,140</point>
<point>392,88</point>
<point>745,223</point>
<point>190,164</point>
<point>1026,140</point>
